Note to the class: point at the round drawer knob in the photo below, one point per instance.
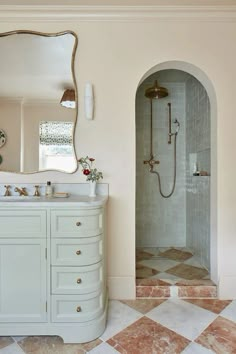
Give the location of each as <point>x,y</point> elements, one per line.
<point>79,280</point>
<point>78,309</point>
<point>78,223</point>
<point>78,252</point>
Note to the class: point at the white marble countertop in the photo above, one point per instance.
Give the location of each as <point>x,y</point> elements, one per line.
<point>72,200</point>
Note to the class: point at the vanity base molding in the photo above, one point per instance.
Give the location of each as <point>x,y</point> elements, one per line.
<point>69,332</point>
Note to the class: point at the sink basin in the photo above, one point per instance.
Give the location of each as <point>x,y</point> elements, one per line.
<point>16,198</point>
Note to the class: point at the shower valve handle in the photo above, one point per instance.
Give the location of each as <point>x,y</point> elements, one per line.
<point>151,162</point>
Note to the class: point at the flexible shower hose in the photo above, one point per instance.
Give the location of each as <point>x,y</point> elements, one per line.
<point>159,177</point>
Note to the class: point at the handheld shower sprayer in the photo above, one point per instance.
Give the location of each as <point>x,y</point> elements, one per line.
<point>177,126</point>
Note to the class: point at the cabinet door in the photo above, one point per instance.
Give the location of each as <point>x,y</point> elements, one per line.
<point>22,280</point>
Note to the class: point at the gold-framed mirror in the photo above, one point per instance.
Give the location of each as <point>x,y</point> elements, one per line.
<point>36,73</point>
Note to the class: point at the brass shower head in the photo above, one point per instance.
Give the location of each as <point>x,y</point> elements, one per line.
<point>156,91</point>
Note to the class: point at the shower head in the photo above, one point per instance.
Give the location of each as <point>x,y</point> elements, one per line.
<point>156,91</point>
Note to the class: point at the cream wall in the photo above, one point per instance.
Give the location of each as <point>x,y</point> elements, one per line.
<point>114,56</point>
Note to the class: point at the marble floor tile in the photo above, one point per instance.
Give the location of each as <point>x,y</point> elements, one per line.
<point>230,311</point>
<point>219,336</point>
<point>54,345</point>
<point>147,336</point>
<point>151,282</point>
<point>194,348</point>
<point>143,272</point>
<point>158,258</point>
<point>103,348</point>
<point>199,291</point>
<point>141,255</point>
<point>152,250</point>
<point>119,317</point>
<point>18,338</point>
<point>142,305</point>
<point>195,282</point>
<point>12,349</point>
<point>214,305</point>
<point>170,278</point>
<point>193,261</point>
<point>187,271</point>
<point>176,255</point>
<point>160,264</point>
<point>5,341</point>
<point>149,326</point>
<point>182,317</point>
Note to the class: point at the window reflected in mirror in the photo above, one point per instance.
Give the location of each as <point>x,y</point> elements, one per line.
<point>36,69</point>
<point>55,145</point>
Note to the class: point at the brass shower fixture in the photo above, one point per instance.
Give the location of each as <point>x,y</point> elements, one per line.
<point>156,91</point>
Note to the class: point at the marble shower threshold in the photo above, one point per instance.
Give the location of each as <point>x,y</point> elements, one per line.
<point>171,272</point>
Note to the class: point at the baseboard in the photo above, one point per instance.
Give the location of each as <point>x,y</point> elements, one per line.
<point>227,288</point>
<point>121,288</point>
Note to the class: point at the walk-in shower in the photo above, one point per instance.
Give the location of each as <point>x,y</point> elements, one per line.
<point>172,136</point>
<point>157,92</point>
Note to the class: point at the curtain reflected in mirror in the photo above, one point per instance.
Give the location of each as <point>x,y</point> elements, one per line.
<point>55,145</point>
<point>36,69</point>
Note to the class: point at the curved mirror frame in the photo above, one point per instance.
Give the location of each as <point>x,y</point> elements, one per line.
<point>45,77</point>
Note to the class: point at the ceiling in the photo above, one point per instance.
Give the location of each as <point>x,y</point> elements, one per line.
<point>34,66</point>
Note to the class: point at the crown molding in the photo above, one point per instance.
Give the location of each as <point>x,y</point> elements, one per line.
<point>72,13</point>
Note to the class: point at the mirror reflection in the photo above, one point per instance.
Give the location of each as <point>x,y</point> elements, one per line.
<point>38,106</point>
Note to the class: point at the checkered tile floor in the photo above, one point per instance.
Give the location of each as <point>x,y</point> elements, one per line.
<point>150,326</point>
<point>169,264</point>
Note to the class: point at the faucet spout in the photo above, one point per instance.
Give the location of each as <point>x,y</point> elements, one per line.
<point>21,191</point>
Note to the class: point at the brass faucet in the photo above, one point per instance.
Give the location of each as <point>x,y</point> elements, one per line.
<point>21,191</point>
<point>36,193</point>
<point>7,192</point>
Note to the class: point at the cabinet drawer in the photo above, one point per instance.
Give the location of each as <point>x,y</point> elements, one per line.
<point>77,280</point>
<point>23,223</point>
<point>72,252</point>
<point>76,308</point>
<point>76,223</point>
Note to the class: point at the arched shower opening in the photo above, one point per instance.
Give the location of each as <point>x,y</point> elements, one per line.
<point>175,175</point>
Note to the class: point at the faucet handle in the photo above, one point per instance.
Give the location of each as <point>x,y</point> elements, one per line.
<point>7,192</point>
<point>36,193</point>
<point>24,191</point>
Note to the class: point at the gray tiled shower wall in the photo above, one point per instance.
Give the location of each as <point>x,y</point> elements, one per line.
<point>183,219</point>
<point>160,222</point>
<point>198,146</point>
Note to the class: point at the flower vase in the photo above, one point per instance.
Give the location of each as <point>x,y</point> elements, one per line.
<point>92,188</point>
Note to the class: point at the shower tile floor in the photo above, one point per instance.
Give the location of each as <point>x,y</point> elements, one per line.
<point>158,270</point>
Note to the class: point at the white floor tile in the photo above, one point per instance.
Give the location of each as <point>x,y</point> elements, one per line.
<point>194,348</point>
<point>230,311</point>
<point>172,279</point>
<point>103,348</point>
<point>159,264</point>
<point>152,250</point>
<point>18,338</point>
<point>193,261</point>
<point>12,349</point>
<point>182,317</point>
<point>119,317</point>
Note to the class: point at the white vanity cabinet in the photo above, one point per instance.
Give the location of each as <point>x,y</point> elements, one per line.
<point>23,266</point>
<point>52,270</point>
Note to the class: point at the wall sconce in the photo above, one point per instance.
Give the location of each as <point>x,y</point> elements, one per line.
<point>88,101</point>
<point>68,98</point>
